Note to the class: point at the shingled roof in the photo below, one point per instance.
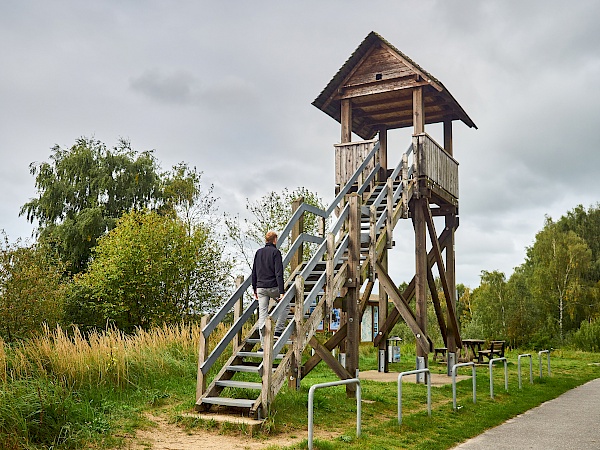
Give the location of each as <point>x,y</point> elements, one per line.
<point>379,80</point>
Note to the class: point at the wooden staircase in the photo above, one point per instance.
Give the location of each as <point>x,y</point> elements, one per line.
<point>248,380</point>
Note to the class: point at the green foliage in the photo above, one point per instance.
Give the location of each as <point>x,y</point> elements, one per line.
<point>83,190</point>
<point>148,271</point>
<point>272,212</point>
<point>32,289</point>
<point>587,338</point>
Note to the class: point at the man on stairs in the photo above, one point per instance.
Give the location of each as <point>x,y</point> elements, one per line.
<point>267,283</point>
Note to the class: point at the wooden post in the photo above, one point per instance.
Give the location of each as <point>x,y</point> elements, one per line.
<point>382,154</point>
<point>418,111</point>
<point>346,121</point>
<point>353,296</point>
<point>295,369</point>
<point>448,136</point>
<point>297,230</point>
<point>383,303</point>
<point>451,278</point>
<point>267,375</point>
<point>237,312</point>
<point>421,276</point>
<point>202,350</point>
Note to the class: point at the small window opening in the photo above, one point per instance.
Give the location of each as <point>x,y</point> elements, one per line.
<point>378,76</point>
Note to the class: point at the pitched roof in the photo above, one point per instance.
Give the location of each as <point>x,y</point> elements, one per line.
<point>379,79</point>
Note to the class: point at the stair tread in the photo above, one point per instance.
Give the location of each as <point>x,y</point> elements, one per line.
<point>242,368</point>
<point>239,384</point>
<point>258,355</point>
<point>226,401</point>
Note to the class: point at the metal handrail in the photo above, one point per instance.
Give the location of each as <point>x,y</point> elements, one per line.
<point>548,357</point>
<point>530,368</point>
<point>492,376</point>
<point>311,401</point>
<point>474,376</point>
<point>411,372</point>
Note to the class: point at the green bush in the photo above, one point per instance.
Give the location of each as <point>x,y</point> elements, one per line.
<point>587,338</point>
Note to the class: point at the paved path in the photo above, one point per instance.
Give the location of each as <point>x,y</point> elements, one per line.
<point>571,421</point>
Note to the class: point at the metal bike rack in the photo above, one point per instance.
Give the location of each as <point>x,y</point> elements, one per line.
<point>413,372</point>
<point>311,398</point>
<point>474,376</point>
<point>548,358</point>
<point>492,361</point>
<point>530,368</point>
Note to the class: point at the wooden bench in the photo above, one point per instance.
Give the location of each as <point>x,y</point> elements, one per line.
<point>439,351</point>
<point>496,349</point>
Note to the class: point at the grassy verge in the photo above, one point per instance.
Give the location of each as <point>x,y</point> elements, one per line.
<point>64,392</point>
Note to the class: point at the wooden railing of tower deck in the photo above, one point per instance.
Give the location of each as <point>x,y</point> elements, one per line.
<point>435,164</point>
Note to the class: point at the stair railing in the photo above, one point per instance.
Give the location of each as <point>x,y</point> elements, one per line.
<point>290,293</point>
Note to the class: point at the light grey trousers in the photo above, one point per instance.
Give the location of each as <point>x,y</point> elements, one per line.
<point>264,296</point>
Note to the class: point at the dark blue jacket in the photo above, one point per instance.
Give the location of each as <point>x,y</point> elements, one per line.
<point>267,270</point>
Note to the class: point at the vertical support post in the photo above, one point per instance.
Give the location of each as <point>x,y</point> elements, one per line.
<point>295,368</point>
<point>418,111</point>
<point>383,304</point>
<point>390,212</point>
<point>346,121</point>
<point>421,278</point>
<point>352,298</point>
<point>237,312</point>
<point>451,279</point>
<point>267,375</point>
<point>448,136</point>
<point>382,154</point>
<point>297,230</point>
<point>202,350</point>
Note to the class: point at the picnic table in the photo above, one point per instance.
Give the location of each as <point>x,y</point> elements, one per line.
<point>473,347</point>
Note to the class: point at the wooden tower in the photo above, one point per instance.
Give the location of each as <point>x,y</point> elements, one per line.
<point>376,90</point>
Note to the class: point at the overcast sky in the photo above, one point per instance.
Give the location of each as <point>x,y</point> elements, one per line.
<point>227,87</point>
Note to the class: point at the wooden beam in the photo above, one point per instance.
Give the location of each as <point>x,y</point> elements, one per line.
<point>352,297</point>
<point>346,121</point>
<point>380,87</point>
<point>421,337</point>
<point>297,230</point>
<point>329,359</point>
<point>202,351</point>
<point>451,277</point>
<point>418,111</point>
<point>437,253</point>
<point>420,269</point>
<point>383,160</point>
<point>448,136</point>
<point>408,293</point>
<point>437,306</point>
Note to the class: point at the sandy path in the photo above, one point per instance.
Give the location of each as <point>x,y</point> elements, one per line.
<point>166,436</point>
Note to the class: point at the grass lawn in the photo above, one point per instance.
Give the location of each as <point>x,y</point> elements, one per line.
<point>335,413</point>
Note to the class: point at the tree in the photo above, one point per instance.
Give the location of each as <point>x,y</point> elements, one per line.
<point>84,190</point>
<point>272,212</point>
<point>147,271</point>
<point>32,289</point>
<point>490,304</point>
<point>559,261</point>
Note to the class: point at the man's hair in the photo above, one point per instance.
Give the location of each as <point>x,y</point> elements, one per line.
<point>270,236</point>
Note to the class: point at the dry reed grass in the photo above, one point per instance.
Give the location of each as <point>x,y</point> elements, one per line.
<point>105,357</point>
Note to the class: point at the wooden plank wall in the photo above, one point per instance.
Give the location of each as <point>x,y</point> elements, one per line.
<point>438,165</point>
<point>348,157</point>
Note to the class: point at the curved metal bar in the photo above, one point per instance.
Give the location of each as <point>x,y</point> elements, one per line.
<point>492,361</point>
<point>411,372</point>
<point>530,368</point>
<point>473,376</point>
<point>311,401</point>
<point>548,357</point>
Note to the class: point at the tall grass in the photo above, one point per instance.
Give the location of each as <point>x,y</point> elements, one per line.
<point>63,389</point>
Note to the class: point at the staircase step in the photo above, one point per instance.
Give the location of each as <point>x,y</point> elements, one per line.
<point>257,355</point>
<point>225,401</point>
<point>240,368</point>
<point>239,384</point>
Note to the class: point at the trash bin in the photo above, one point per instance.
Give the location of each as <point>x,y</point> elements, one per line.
<point>393,345</point>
